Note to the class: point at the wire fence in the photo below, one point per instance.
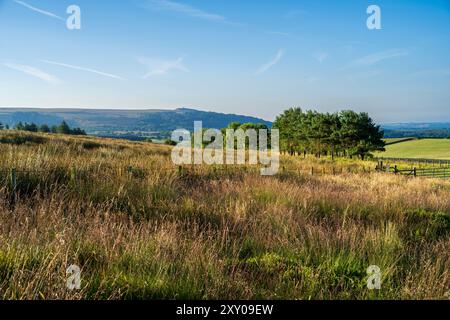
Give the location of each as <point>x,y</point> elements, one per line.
<point>442,172</point>
<point>418,162</point>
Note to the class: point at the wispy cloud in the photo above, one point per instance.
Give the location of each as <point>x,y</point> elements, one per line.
<point>47,13</point>
<point>109,75</point>
<point>320,56</point>
<point>377,57</point>
<point>271,63</point>
<point>188,10</point>
<point>34,72</point>
<point>160,67</point>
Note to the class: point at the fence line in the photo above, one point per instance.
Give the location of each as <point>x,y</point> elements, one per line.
<point>441,172</point>
<point>14,178</point>
<point>437,162</point>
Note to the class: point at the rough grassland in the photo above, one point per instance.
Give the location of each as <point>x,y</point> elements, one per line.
<point>141,230</point>
<point>423,148</point>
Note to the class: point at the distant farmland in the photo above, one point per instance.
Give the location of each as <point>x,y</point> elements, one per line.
<point>415,149</point>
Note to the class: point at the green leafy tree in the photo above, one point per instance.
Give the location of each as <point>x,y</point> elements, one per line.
<point>346,133</point>
<point>44,128</point>
<point>19,126</point>
<point>370,137</point>
<point>63,128</point>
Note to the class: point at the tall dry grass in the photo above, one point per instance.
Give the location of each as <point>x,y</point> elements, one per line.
<point>141,229</point>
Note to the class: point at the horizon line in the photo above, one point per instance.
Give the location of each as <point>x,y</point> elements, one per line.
<point>189,108</point>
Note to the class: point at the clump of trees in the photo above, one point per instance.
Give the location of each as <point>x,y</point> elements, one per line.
<point>248,126</point>
<point>63,128</point>
<point>346,133</point>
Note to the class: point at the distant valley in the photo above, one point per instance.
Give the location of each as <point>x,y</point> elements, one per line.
<point>417,129</point>
<point>158,124</point>
<point>129,124</point>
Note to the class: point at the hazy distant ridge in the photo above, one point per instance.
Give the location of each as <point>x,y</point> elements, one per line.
<point>121,122</point>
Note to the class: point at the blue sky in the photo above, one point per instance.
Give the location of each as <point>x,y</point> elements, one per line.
<point>248,57</point>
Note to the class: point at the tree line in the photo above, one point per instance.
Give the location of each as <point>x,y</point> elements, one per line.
<point>62,128</point>
<point>345,133</point>
<point>234,126</point>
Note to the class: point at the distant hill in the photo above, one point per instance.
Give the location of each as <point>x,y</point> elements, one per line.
<point>416,125</point>
<point>125,123</point>
<point>419,130</point>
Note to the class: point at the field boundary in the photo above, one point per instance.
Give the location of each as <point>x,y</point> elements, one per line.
<point>439,162</point>
<point>441,172</point>
<point>400,141</point>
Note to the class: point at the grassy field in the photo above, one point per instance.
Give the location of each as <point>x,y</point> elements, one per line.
<point>141,229</point>
<point>396,140</point>
<point>423,148</point>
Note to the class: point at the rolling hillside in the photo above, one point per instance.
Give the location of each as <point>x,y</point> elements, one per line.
<point>125,123</point>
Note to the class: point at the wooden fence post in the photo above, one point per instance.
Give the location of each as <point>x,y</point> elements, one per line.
<point>415,172</point>
<point>312,171</point>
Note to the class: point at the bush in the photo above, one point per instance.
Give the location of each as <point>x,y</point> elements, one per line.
<point>89,145</point>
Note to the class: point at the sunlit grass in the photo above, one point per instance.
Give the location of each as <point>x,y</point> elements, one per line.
<point>140,229</point>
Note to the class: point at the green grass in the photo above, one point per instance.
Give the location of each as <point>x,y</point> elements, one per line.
<point>418,149</point>
<point>140,229</point>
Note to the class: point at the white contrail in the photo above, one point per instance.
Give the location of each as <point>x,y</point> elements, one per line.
<point>271,63</point>
<point>47,13</point>
<point>187,10</point>
<point>377,57</point>
<point>161,67</point>
<point>37,73</point>
<point>109,75</point>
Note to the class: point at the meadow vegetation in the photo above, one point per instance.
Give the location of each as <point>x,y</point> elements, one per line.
<point>418,149</point>
<point>141,228</point>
